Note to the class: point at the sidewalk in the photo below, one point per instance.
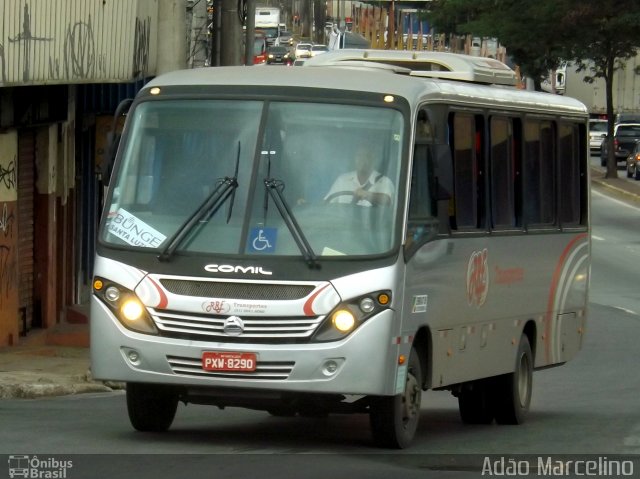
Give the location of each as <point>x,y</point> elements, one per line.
<point>36,369</point>
<point>49,366</point>
<point>622,186</point>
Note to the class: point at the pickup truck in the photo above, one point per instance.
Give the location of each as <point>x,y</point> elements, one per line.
<point>624,139</point>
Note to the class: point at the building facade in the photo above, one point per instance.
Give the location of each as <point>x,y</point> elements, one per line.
<point>64,67</point>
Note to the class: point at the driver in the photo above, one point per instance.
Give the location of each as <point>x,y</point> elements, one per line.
<point>364,186</point>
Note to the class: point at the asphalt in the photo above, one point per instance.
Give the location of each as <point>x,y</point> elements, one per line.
<point>34,369</point>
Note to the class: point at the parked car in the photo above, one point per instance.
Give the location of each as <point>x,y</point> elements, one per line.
<point>633,162</point>
<point>597,131</point>
<point>303,50</point>
<point>624,139</point>
<point>318,49</point>
<point>279,55</point>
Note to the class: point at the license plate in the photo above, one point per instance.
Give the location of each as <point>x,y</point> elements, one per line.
<point>228,361</point>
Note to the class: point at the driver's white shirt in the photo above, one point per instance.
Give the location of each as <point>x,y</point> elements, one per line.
<point>348,183</point>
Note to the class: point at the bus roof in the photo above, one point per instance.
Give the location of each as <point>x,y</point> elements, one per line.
<point>427,64</point>
<point>374,78</point>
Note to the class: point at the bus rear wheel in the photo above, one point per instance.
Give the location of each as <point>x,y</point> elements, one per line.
<point>512,392</point>
<point>394,419</point>
<point>151,407</point>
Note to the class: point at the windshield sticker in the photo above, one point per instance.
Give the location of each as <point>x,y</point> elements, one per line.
<point>262,240</point>
<point>326,251</point>
<point>419,304</point>
<point>133,230</point>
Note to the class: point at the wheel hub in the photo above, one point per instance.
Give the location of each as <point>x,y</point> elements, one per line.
<point>411,398</point>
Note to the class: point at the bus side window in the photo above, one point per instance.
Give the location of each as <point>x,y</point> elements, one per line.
<point>422,220</point>
<point>538,173</point>
<point>467,147</point>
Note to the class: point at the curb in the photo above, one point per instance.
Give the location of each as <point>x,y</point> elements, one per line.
<point>34,391</point>
<point>630,189</point>
<point>616,189</point>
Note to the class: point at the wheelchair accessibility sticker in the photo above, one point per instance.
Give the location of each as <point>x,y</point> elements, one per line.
<point>262,240</point>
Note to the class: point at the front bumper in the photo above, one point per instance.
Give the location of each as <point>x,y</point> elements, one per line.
<point>365,362</point>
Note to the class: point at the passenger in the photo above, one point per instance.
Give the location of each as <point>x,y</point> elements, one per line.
<point>364,186</point>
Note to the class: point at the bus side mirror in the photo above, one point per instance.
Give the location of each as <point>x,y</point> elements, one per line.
<point>113,139</point>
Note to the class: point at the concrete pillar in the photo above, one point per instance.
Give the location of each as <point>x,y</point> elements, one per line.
<point>172,36</point>
<point>231,34</point>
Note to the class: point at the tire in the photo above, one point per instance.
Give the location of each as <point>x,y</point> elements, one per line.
<point>394,419</point>
<point>151,407</point>
<point>629,173</point>
<point>636,175</point>
<point>512,392</point>
<point>476,404</point>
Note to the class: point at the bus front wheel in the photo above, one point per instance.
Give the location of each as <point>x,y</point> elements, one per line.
<point>512,392</point>
<point>394,419</point>
<point>151,407</point>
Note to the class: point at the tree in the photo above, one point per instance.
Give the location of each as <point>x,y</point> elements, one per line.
<point>529,30</point>
<point>539,35</point>
<point>605,34</point>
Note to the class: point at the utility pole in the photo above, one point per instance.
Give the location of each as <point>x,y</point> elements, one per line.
<point>230,34</point>
<point>216,33</point>
<point>250,33</point>
<point>172,36</point>
<point>198,36</point>
<point>305,18</point>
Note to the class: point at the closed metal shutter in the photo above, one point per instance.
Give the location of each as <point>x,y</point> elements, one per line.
<point>26,185</point>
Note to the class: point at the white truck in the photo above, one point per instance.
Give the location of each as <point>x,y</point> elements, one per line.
<point>626,84</point>
<point>268,21</point>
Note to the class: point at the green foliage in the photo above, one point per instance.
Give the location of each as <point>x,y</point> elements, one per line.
<point>540,34</point>
<point>609,33</point>
<point>596,36</point>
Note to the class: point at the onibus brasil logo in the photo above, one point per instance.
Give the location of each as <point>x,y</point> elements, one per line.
<point>38,468</point>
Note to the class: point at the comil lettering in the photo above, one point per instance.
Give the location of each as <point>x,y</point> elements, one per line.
<point>228,268</point>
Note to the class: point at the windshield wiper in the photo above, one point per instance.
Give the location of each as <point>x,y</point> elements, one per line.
<point>274,188</point>
<point>209,207</point>
<point>235,178</point>
<point>225,189</point>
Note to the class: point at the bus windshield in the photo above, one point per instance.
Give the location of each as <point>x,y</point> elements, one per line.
<point>326,173</point>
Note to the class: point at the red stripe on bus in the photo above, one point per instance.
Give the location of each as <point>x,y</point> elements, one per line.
<point>552,292</point>
<point>164,301</point>
<point>308,306</point>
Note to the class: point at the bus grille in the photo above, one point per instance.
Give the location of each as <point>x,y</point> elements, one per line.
<point>254,291</point>
<point>263,329</point>
<point>265,370</point>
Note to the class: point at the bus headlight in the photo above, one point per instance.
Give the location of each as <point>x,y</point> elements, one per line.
<point>132,310</point>
<point>125,305</point>
<point>349,315</point>
<point>343,320</point>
